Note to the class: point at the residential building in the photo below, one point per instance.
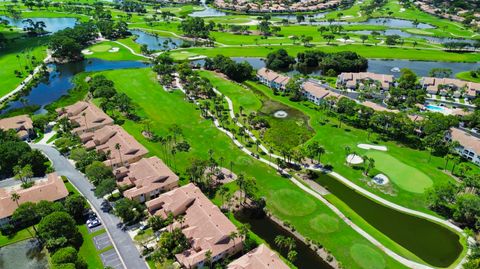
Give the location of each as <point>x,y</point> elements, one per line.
<point>260,258</point>
<point>22,124</point>
<point>85,117</point>
<point>148,178</point>
<point>272,79</point>
<point>204,225</point>
<point>317,93</point>
<point>469,144</point>
<point>450,87</point>
<point>49,189</point>
<point>119,146</point>
<point>359,81</point>
<point>378,107</point>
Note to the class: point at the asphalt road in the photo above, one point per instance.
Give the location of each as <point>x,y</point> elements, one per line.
<point>122,241</point>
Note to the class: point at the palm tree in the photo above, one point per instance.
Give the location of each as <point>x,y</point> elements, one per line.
<point>85,118</point>
<point>280,241</point>
<point>233,235</point>
<point>208,258</point>
<point>117,147</point>
<point>15,197</point>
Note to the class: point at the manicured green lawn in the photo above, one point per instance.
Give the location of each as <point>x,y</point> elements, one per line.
<point>467,76</point>
<point>19,236</point>
<point>88,250</point>
<point>9,62</point>
<point>406,177</point>
<point>164,109</point>
<point>101,51</point>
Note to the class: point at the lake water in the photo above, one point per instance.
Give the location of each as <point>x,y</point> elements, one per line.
<point>52,24</point>
<point>406,34</point>
<point>421,68</point>
<point>23,255</point>
<point>60,80</point>
<point>433,243</point>
<point>268,230</point>
<point>156,42</point>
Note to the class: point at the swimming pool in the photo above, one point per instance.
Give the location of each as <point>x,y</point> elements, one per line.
<point>436,108</point>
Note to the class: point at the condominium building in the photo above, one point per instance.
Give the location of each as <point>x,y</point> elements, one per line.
<point>204,225</point>
<point>272,79</point>
<point>359,81</point>
<point>148,178</point>
<point>22,124</point>
<point>85,117</point>
<point>51,189</point>
<point>469,146</point>
<point>449,86</point>
<point>317,93</point>
<point>260,258</point>
<point>112,140</point>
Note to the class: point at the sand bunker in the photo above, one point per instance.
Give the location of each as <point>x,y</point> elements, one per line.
<point>354,159</point>
<point>87,52</point>
<point>114,49</point>
<point>368,146</point>
<point>380,179</point>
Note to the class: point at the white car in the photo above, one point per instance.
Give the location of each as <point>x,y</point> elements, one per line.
<point>91,223</point>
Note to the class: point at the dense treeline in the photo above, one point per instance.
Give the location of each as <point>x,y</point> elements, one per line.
<point>238,72</point>
<point>68,43</point>
<point>17,155</point>
<point>329,63</point>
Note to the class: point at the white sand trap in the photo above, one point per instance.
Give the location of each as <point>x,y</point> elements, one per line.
<point>87,52</point>
<point>345,41</point>
<point>380,179</point>
<point>402,10</point>
<point>347,17</point>
<point>114,49</point>
<point>368,146</point>
<point>354,159</point>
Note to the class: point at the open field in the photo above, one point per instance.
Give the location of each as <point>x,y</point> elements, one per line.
<point>164,109</point>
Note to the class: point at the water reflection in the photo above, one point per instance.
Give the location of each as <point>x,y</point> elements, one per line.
<point>52,24</point>
<point>24,254</point>
<point>154,42</point>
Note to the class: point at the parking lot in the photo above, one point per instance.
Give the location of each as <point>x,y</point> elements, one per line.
<point>102,241</point>
<point>110,259</point>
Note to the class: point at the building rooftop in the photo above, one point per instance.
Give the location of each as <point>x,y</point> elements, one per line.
<point>204,224</point>
<point>378,107</point>
<point>271,75</point>
<point>433,84</point>
<point>52,189</point>
<point>85,116</point>
<point>260,258</point>
<point>315,89</point>
<point>351,78</point>
<point>105,140</point>
<point>17,123</point>
<point>465,139</point>
<point>147,175</point>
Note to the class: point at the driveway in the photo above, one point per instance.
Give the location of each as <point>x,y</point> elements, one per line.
<point>122,241</point>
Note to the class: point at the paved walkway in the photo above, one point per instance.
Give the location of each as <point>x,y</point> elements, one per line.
<point>318,195</point>
<point>128,253</point>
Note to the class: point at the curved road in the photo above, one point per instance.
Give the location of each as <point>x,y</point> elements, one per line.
<point>128,253</point>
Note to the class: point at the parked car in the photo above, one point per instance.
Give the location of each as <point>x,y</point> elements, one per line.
<point>91,223</point>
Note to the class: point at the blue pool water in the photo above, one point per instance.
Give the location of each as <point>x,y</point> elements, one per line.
<point>435,108</point>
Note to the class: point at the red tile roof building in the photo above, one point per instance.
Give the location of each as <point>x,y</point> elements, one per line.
<point>119,146</point>
<point>85,117</point>
<point>148,177</point>
<point>260,258</point>
<point>356,81</point>
<point>272,79</point>
<point>51,189</point>
<point>469,145</point>
<point>206,227</point>
<point>447,86</point>
<point>22,124</point>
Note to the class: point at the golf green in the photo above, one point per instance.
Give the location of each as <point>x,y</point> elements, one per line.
<point>100,48</point>
<point>367,257</point>
<point>324,223</point>
<point>292,203</point>
<point>404,176</point>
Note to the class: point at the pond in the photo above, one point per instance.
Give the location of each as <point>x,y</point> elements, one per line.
<point>268,230</point>
<point>208,11</point>
<point>60,81</point>
<point>24,254</point>
<point>421,68</point>
<point>401,33</point>
<point>155,42</point>
<point>431,242</point>
<point>52,24</point>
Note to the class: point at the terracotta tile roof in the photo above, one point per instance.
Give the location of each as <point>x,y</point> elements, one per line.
<point>378,107</point>
<point>17,123</point>
<point>315,89</point>
<point>204,224</point>
<point>465,139</point>
<point>432,84</point>
<point>267,74</point>
<point>85,116</point>
<point>51,189</point>
<point>260,258</point>
<point>351,79</point>
<point>148,175</point>
<point>105,139</point>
